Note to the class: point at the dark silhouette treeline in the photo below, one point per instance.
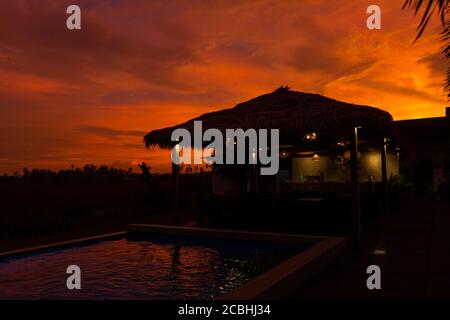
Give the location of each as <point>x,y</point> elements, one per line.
<point>41,203</point>
<point>88,174</point>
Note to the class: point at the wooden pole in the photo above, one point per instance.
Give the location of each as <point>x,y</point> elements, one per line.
<point>176,182</point>
<point>384,184</point>
<point>356,199</point>
<point>255,179</point>
<point>254,174</point>
<point>176,187</point>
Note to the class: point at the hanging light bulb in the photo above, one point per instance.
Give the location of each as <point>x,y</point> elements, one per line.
<point>284,154</point>
<point>312,136</point>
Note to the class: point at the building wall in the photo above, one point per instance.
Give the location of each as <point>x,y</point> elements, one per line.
<point>303,167</point>
<point>369,164</point>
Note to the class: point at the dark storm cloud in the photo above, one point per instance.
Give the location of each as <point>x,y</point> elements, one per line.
<point>41,44</point>
<point>436,61</point>
<point>110,132</point>
<point>389,87</point>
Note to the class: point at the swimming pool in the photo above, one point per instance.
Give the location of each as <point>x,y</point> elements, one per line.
<point>145,266</point>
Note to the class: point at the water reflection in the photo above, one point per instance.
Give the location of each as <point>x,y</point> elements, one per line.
<point>143,269</point>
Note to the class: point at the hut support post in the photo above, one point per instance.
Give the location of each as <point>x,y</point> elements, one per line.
<point>356,200</point>
<point>176,190</point>
<point>176,184</point>
<point>384,185</point>
<point>255,182</point>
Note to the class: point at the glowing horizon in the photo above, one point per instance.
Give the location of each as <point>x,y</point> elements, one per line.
<point>89,96</point>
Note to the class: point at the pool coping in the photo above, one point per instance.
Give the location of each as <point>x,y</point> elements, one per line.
<point>279,282</point>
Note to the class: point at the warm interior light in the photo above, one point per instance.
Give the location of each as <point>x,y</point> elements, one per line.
<point>284,154</point>
<point>347,155</point>
<point>312,136</point>
<point>315,157</point>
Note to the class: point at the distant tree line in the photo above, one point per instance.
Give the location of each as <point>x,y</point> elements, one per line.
<point>87,174</point>
<point>90,174</point>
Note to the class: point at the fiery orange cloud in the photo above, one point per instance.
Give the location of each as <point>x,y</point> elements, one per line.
<point>88,96</point>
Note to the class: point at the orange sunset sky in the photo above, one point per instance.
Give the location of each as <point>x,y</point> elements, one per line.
<point>89,96</point>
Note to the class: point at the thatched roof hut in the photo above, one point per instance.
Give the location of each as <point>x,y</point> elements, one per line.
<point>293,113</point>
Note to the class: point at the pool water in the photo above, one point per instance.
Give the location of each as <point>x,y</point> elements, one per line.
<point>154,267</point>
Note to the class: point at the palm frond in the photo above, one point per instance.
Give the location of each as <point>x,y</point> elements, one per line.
<point>443,10</point>
<point>433,5</point>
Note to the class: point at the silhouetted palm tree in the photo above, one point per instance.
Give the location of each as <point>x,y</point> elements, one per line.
<point>146,173</point>
<point>441,7</point>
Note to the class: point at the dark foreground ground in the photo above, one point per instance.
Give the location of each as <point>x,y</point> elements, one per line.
<point>36,213</point>
<point>415,238</point>
<point>416,264</point>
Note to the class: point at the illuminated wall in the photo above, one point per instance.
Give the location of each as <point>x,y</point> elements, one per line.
<point>369,164</point>
<point>303,167</point>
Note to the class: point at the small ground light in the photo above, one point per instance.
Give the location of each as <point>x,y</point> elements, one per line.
<point>378,252</point>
